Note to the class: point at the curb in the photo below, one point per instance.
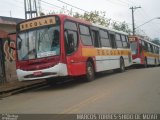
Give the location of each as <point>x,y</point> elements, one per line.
<point>19,89</point>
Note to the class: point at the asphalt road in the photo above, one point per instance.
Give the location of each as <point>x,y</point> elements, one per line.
<point>134,91</point>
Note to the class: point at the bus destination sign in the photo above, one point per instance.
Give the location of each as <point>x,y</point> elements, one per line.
<point>37,23</point>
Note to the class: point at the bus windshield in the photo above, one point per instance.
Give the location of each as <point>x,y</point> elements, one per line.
<point>134,47</point>
<point>38,43</point>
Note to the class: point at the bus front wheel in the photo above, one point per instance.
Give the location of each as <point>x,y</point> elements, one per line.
<point>89,72</point>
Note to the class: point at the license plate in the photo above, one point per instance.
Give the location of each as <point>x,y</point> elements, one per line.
<point>37,73</point>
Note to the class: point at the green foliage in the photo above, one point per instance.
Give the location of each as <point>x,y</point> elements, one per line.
<point>42,14</point>
<point>100,18</point>
<point>97,17</point>
<point>156,41</point>
<point>94,17</point>
<point>121,27</point>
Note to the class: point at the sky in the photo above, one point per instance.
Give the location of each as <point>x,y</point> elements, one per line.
<point>117,10</point>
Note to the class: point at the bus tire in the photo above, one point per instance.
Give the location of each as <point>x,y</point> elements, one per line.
<point>155,63</point>
<point>121,68</point>
<point>90,73</point>
<point>145,63</point>
<point>122,65</point>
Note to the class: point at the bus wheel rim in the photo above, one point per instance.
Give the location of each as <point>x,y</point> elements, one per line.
<point>90,73</point>
<point>122,65</point>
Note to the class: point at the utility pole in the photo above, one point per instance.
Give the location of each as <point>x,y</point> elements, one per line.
<point>30,8</point>
<point>133,24</point>
<point>10,13</point>
<point>25,8</point>
<point>40,9</point>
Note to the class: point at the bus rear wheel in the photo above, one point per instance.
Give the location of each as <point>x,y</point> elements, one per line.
<point>155,63</point>
<point>122,65</point>
<point>90,74</point>
<point>145,63</point>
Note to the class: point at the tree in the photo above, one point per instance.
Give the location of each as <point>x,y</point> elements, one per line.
<point>156,41</point>
<point>97,17</point>
<point>42,14</point>
<point>121,26</point>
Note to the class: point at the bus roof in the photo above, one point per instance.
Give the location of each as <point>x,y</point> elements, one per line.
<point>61,16</point>
<point>78,20</point>
<point>93,24</point>
<point>109,29</point>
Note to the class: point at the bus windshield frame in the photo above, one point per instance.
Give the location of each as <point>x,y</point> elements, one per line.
<point>134,47</point>
<point>39,42</point>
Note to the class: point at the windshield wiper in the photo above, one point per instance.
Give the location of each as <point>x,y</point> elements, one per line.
<point>19,38</point>
<point>19,43</point>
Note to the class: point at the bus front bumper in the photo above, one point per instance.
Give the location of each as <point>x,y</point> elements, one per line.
<point>137,61</point>
<point>58,70</point>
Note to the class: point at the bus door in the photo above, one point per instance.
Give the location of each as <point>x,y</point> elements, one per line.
<point>97,45</point>
<point>142,50</point>
<point>73,55</point>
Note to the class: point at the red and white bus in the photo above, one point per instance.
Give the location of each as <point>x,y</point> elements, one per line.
<point>144,52</point>
<point>60,45</point>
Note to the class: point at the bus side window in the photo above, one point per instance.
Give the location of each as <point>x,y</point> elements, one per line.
<point>112,39</point>
<point>151,46</point>
<point>146,47</point>
<point>153,49</point>
<point>95,37</point>
<point>140,46</point>
<point>128,44</point>
<point>119,41</point>
<point>104,38</point>
<point>125,41</point>
<point>157,50</point>
<point>143,45</point>
<point>85,35</point>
